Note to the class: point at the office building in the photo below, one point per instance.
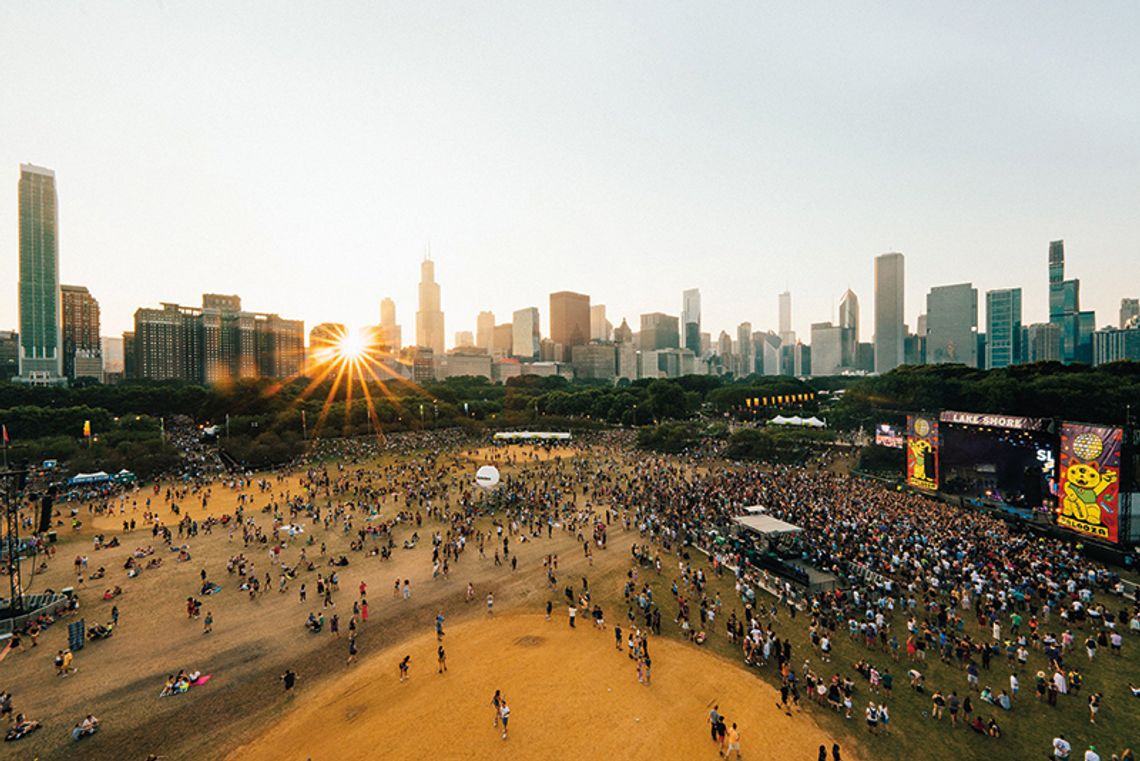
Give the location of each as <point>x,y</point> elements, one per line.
<point>623,333</point>
<point>80,330</point>
<point>600,328</point>
<point>1129,313</point>
<point>691,321</point>
<point>526,340</point>
<point>485,330</point>
<point>569,318</point>
<point>218,343</point>
<point>827,347</point>
<point>766,349</point>
<point>41,352</point>
<point>724,348</point>
<point>658,331</point>
<point>849,319</point>
<point>429,317</point>
<point>9,354</point>
<point>626,360</point>
<point>1065,309</point>
<point>468,361</point>
<point>464,339</point>
<point>596,361</point>
<point>744,364</point>
<point>1003,328</point>
<point>112,357</point>
<point>1041,342</point>
<point>952,325</point>
<point>1116,345</point>
<point>502,340</point>
<point>787,335</point>
<point>423,363</point>
<point>890,334</point>
<point>391,335</point>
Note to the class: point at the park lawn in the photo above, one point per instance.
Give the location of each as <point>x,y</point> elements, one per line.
<point>1027,730</point>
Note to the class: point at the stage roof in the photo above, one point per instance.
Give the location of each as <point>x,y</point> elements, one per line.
<point>766,525</point>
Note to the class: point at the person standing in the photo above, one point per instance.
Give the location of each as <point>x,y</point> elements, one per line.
<point>1061,748</point>
<point>490,604</point>
<point>442,654</point>
<point>732,740</point>
<point>404,676</point>
<point>573,611</point>
<point>496,706</point>
<point>351,650</point>
<point>714,720</point>
<point>208,623</point>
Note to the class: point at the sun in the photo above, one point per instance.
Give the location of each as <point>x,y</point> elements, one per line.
<point>352,346</point>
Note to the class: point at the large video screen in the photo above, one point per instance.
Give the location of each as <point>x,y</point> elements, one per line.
<point>1090,480</point>
<point>1006,465</point>
<point>887,435</point>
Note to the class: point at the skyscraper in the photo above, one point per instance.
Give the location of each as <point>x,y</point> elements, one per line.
<point>569,319</point>
<point>1129,312</point>
<point>429,318</point>
<point>81,333</point>
<point>952,325</point>
<point>1065,305</point>
<point>485,331</point>
<point>849,321</point>
<point>41,356</point>
<point>658,331</point>
<point>600,327</point>
<point>745,364</point>
<point>391,334</point>
<point>889,311</point>
<point>525,333</point>
<point>691,321</point>
<point>1003,328</point>
<point>787,335</point>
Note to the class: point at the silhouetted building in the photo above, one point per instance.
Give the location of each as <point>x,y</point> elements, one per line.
<point>691,321</point>
<point>890,292</point>
<point>429,318</point>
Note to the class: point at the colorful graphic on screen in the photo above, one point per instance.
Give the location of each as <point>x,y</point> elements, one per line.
<point>1089,499</point>
<point>922,452</point>
<point>887,435</point>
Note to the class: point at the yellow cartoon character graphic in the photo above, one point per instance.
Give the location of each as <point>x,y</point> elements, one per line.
<point>1084,484</point>
<point>920,448</point>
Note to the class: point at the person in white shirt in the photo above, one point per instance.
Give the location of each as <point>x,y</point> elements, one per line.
<point>1061,748</point>
<point>1091,754</point>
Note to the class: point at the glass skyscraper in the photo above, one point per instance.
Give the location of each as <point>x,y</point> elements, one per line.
<point>1003,328</point>
<point>41,360</point>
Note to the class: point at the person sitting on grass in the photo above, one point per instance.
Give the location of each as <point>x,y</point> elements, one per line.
<point>978,725</point>
<point>992,728</point>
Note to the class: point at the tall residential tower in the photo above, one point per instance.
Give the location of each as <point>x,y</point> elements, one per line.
<point>41,355</point>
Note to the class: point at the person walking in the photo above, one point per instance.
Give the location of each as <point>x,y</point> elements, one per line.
<point>496,706</point>
<point>404,676</point>
<point>505,713</point>
<point>351,650</point>
<point>573,611</point>
<point>490,604</point>
<point>289,679</point>
<point>208,623</point>
<point>442,654</point>
<point>732,743</point>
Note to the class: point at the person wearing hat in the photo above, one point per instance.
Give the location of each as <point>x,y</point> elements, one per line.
<point>1091,754</point>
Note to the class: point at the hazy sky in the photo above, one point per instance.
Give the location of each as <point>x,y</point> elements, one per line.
<point>303,155</point>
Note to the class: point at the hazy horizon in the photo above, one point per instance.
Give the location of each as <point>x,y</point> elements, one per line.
<point>305,157</point>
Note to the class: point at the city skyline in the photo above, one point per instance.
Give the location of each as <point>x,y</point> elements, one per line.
<point>582,182</point>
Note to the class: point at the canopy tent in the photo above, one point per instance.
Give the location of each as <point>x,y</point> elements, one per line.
<point>765,525</point>
<point>88,478</point>
<point>529,435</point>
<point>811,422</point>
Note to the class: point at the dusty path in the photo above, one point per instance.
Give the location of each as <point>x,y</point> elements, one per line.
<point>571,696</point>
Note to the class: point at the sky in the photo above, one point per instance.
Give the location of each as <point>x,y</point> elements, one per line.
<point>306,155</point>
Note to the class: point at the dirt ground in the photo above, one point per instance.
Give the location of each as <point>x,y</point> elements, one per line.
<point>571,696</point>
<point>255,640</point>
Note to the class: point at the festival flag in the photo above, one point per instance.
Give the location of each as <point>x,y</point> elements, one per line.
<point>5,434</point>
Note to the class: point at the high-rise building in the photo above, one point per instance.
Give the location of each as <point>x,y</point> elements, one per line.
<point>9,354</point>
<point>691,321</point>
<point>1041,342</point>
<point>597,361</point>
<point>658,331</point>
<point>849,320</point>
<point>724,347</point>
<point>745,362</point>
<point>464,339</point>
<point>41,353</point>
<point>787,335</point>
<point>504,337</point>
<point>217,343</point>
<point>952,325</point>
<point>830,347</point>
<point>1003,328</point>
<point>623,333</point>
<point>1129,313</point>
<point>485,331</point>
<point>390,336</point>
<point>80,331</point>
<point>526,341</point>
<point>112,357</point>
<point>600,328</point>
<point>1116,345</point>
<point>429,318</point>
<point>1065,307</point>
<point>569,319</point>
<point>890,335</point>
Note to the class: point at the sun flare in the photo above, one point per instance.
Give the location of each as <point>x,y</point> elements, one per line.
<point>351,346</point>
